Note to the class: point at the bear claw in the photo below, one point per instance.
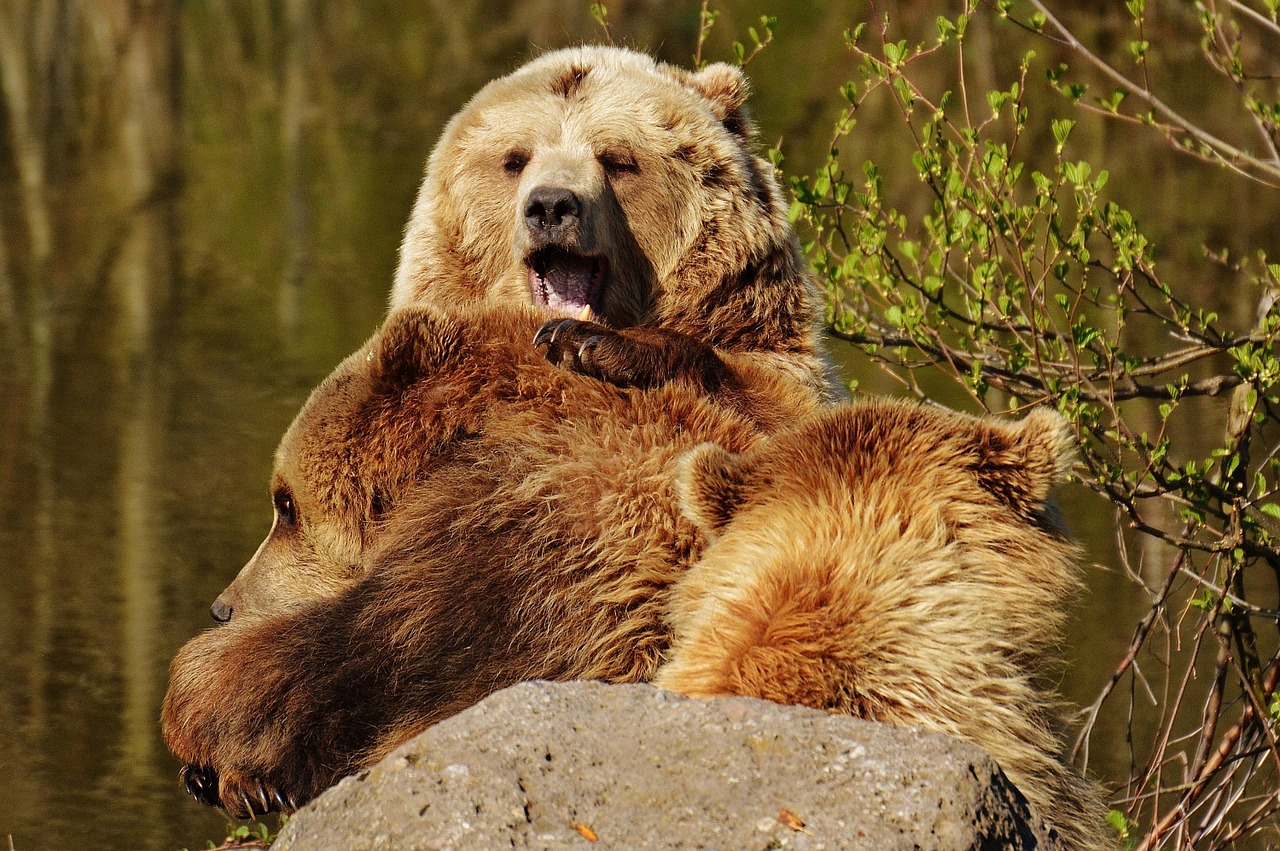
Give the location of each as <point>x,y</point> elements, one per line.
<point>587,345</point>
<point>551,329</point>
<point>569,341</point>
<point>201,783</point>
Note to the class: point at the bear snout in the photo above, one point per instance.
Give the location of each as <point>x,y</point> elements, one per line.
<point>221,611</point>
<point>551,211</point>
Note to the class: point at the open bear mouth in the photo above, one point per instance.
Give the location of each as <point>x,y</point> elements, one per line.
<point>566,282</point>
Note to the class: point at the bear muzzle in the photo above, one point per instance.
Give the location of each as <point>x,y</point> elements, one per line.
<point>550,210</point>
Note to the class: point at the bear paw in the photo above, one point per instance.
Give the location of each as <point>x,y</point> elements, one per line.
<point>241,797</point>
<point>573,344</point>
<point>631,357</point>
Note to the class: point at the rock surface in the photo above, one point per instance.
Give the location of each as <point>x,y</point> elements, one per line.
<point>588,765</point>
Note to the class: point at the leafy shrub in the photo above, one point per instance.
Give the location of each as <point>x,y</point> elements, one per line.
<point>1024,284</point>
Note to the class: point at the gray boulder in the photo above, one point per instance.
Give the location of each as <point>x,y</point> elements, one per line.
<point>588,765</point>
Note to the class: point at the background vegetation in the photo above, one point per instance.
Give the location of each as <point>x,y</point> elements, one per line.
<point>1024,283</point>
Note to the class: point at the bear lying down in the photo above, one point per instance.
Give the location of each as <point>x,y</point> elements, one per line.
<point>884,560</point>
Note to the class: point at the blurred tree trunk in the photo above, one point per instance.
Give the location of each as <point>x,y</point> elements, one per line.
<point>17,29</point>
<point>146,270</point>
<point>294,113</point>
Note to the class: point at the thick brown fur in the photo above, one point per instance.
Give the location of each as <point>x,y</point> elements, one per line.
<point>427,392</point>
<point>644,176</point>
<point>539,506</point>
<point>883,560</point>
<point>894,563</point>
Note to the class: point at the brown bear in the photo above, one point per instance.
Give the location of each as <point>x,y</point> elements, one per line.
<point>599,184</point>
<point>378,427</point>
<point>884,560</point>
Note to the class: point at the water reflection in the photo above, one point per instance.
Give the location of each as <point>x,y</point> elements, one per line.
<point>199,211</point>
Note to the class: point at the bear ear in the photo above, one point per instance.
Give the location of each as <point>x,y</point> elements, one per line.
<point>710,486</point>
<point>1020,463</point>
<point>727,89</point>
<point>414,342</point>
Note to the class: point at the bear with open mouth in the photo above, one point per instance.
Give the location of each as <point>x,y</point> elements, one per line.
<point>624,196</point>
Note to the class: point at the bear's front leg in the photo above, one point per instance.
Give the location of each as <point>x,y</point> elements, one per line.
<point>631,357</point>
<point>233,717</point>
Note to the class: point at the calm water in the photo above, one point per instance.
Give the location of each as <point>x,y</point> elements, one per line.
<point>199,214</point>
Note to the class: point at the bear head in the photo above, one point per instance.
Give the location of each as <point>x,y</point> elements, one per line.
<point>366,434</point>
<point>596,178</point>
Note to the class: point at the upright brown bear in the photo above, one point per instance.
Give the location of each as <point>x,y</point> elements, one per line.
<point>598,183</point>
<point>590,178</point>
<point>884,560</point>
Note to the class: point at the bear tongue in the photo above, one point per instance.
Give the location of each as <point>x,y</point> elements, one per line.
<point>564,282</point>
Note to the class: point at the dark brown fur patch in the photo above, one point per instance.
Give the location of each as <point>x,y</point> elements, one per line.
<point>718,176</point>
<point>685,153</point>
<point>566,85</point>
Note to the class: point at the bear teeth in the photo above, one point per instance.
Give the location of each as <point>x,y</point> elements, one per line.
<point>564,281</point>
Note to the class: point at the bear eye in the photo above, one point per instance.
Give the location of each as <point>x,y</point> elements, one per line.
<point>515,161</point>
<point>286,510</point>
<point>617,163</point>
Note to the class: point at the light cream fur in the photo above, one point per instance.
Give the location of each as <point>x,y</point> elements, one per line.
<point>693,229</point>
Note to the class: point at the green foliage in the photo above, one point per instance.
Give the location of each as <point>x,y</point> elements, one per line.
<point>248,836</point>
<point>758,42</point>
<point>600,14</point>
<point>1124,829</point>
<point>1023,282</point>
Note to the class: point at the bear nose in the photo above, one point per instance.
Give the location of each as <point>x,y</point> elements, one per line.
<point>551,208</point>
<point>221,611</point>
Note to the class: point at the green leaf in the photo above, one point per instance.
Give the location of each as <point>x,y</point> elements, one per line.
<point>1112,104</point>
<point>903,88</point>
<point>1206,601</point>
<point>1061,130</point>
<point>1117,819</point>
